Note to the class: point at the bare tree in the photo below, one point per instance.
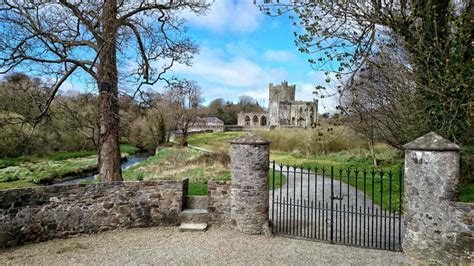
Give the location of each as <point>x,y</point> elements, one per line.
<point>435,34</point>
<point>382,103</point>
<point>82,115</point>
<point>184,97</point>
<point>65,37</point>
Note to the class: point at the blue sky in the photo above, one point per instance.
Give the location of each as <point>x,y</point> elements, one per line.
<point>242,50</point>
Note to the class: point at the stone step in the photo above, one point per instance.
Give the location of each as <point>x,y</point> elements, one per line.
<point>196,202</point>
<point>192,227</point>
<point>194,216</point>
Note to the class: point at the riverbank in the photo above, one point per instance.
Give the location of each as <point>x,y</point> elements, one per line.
<point>33,171</point>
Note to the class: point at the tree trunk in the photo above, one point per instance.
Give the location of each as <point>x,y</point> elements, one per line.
<point>372,151</point>
<point>109,154</point>
<point>184,138</point>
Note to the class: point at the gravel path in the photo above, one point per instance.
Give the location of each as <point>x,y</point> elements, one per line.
<point>165,245</point>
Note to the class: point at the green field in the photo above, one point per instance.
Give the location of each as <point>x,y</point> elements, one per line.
<point>214,141</point>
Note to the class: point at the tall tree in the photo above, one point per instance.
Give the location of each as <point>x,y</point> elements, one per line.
<point>62,38</point>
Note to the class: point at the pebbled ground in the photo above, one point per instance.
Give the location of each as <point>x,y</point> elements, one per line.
<point>165,245</point>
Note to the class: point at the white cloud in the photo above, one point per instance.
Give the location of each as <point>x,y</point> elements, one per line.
<point>240,16</point>
<point>237,71</point>
<point>228,76</point>
<point>281,56</point>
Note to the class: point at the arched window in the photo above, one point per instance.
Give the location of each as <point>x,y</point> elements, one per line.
<point>247,121</point>
<point>263,121</point>
<point>255,120</point>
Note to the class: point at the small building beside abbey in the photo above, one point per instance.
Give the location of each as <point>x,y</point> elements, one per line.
<point>283,110</point>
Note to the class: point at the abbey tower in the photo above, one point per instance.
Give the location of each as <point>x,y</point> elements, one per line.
<point>283,110</point>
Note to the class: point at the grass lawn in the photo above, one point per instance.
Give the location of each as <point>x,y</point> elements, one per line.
<point>32,170</point>
<point>214,141</point>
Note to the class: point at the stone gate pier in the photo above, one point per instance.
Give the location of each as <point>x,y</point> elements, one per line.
<point>438,229</point>
<point>250,160</point>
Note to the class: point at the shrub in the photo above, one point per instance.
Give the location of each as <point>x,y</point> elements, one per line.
<point>321,140</point>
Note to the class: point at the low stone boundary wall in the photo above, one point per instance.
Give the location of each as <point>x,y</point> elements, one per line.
<point>233,128</point>
<point>219,202</point>
<point>445,235</point>
<point>42,213</point>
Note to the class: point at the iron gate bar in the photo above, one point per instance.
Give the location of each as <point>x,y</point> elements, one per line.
<point>301,200</point>
<point>365,193</point>
<point>356,172</point>
<point>381,205</point>
<point>332,203</point>
<point>400,206</point>
<point>273,194</point>
<point>308,226</point>
<point>281,190</point>
<point>390,175</point>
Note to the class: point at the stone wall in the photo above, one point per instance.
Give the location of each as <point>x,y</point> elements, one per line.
<point>218,195</point>
<point>42,213</point>
<point>206,128</point>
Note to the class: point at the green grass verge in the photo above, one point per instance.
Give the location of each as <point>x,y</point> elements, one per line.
<point>128,149</point>
<point>199,188</point>
<point>16,184</point>
<point>214,141</point>
<point>466,192</point>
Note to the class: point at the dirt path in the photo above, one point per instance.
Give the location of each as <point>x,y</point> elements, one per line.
<point>162,245</point>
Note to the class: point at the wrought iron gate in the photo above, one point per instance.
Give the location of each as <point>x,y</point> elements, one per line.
<point>344,206</point>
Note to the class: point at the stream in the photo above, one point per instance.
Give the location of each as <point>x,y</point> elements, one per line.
<point>132,160</point>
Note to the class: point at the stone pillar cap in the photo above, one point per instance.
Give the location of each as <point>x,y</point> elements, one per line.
<point>431,142</point>
<point>250,139</point>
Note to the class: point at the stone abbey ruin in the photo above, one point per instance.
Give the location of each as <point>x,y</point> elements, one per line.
<point>283,110</point>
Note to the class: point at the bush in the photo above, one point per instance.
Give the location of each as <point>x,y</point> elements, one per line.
<point>221,156</point>
<point>322,140</point>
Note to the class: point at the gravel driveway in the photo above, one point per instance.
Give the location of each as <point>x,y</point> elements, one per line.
<point>165,245</point>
